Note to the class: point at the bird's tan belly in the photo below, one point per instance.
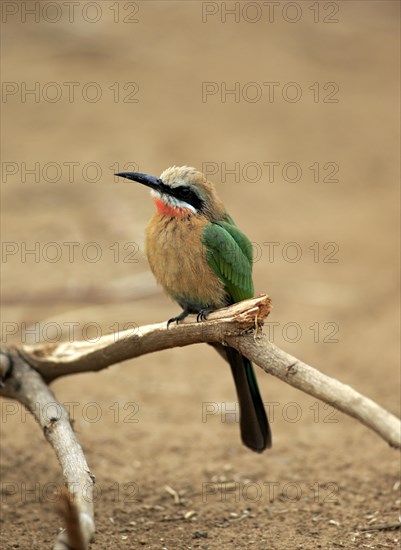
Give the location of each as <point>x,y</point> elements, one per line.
<point>177,258</point>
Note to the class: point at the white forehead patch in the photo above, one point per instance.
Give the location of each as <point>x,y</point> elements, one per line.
<point>178,175</point>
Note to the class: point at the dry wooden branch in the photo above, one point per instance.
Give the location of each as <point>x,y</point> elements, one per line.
<point>300,375</point>
<point>27,386</point>
<point>61,359</point>
<point>230,326</point>
<point>236,326</point>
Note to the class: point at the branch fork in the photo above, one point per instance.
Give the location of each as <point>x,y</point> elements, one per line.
<point>26,371</point>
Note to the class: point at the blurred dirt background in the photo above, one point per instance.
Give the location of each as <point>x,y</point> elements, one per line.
<point>142,423</point>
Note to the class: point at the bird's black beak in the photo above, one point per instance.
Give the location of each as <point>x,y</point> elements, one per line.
<point>145,179</point>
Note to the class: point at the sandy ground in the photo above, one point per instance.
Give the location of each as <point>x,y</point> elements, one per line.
<point>161,86</point>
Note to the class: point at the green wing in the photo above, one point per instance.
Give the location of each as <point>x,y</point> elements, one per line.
<point>229,253</point>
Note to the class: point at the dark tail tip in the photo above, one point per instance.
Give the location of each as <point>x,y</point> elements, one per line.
<point>255,428</point>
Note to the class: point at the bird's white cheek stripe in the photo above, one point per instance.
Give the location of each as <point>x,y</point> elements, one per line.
<point>172,201</point>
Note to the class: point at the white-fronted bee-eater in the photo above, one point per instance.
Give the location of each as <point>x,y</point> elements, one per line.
<point>204,262</point>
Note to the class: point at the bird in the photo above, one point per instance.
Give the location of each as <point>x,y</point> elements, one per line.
<point>204,262</point>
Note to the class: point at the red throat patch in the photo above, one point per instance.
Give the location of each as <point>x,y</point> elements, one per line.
<point>166,209</point>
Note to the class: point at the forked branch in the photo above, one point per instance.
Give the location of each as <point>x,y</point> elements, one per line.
<point>26,385</point>
<point>237,326</point>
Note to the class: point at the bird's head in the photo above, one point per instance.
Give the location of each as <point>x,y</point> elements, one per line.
<point>181,191</point>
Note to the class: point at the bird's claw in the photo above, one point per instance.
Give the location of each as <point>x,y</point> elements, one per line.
<point>177,318</point>
<point>172,320</point>
<point>202,315</point>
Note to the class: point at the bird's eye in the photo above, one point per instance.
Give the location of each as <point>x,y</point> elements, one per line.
<point>185,192</point>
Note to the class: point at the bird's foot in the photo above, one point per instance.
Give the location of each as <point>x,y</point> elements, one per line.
<point>202,315</point>
<point>179,317</point>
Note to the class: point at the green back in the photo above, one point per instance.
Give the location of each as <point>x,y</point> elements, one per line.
<point>229,254</point>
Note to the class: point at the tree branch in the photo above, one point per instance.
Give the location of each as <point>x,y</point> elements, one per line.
<point>61,359</point>
<point>231,326</point>
<point>25,384</point>
<point>289,369</point>
<point>237,326</point>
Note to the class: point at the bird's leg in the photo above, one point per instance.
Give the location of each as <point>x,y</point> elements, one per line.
<point>202,315</point>
<point>179,317</point>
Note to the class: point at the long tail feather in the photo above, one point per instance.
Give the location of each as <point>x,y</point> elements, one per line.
<point>254,425</point>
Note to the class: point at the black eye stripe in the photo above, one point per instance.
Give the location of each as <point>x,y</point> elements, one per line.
<point>182,191</point>
<point>188,195</point>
